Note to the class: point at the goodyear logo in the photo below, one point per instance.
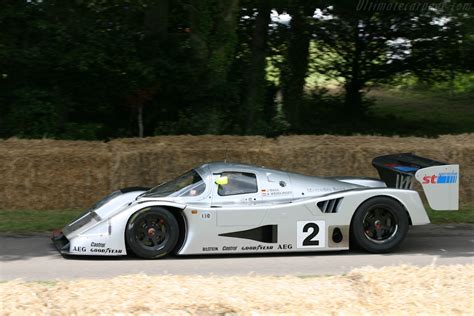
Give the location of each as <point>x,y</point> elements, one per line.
<point>441,178</point>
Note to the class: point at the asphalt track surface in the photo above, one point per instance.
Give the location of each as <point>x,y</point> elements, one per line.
<point>34,257</point>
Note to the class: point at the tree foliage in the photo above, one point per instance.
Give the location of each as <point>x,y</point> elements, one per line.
<point>102,69</point>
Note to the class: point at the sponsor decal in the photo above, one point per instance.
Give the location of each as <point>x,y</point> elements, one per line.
<point>106,250</point>
<point>441,178</point>
<point>97,247</point>
<point>264,192</point>
<point>403,181</point>
<point>246,200</point>
<point>275,192</point>
<point>406,168</point>
<point>229,248</point>
<point>401,167</point>
<point>285,246</point>
<point>257,248</point>
<point>325,189</point>
<point>79,249</point>
<point>210,248</point>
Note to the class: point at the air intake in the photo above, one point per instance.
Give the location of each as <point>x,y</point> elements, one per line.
<point>329,206</point>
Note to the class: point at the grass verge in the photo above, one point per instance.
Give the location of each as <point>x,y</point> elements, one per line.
<point>26,221</point>
<point>464,215</point>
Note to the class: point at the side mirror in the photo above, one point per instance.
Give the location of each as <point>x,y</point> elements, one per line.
<point>222,180</point>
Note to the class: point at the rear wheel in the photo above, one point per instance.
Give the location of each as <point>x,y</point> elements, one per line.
<point>152,232</point>
<point>379,225</point>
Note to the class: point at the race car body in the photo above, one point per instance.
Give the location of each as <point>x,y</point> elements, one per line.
<point>224,207</point>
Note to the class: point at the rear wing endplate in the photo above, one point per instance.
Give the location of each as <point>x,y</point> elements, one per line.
<point>440,181</point>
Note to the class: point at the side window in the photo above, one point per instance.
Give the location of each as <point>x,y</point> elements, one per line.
<point>238,183</point>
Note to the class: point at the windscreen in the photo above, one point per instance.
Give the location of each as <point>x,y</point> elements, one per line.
<point>188,179</point>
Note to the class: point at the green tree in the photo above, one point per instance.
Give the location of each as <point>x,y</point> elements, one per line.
<point>254,86</point>
<point>372,46</point>
<point>294,67</point>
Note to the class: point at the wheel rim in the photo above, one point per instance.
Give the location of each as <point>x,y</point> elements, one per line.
<point>151,232</point>
<point>380,225</point>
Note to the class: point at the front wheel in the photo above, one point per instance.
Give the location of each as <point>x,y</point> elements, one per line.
<point>379,225</point>
<point>152,232</point>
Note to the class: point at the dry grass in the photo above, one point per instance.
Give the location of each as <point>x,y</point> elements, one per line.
<point>56,174</point>
<point>405,290</point>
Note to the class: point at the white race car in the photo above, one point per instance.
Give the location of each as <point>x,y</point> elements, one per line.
<point>220,208</point>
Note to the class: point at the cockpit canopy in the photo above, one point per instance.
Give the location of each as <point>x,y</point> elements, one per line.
<point>226,182</point>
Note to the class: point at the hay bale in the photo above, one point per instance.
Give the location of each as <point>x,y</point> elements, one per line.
<point>52,174</point>
<point>396,290</point>
<point>57,174</point>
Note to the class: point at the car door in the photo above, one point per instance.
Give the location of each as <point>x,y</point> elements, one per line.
<point>235,201</point>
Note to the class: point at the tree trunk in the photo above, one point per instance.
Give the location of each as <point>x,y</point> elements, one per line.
<point>223,40</point>
<point>355,82</point>
<point>295,68</point>
<point>452,78</point>
<point>156,20</point>
<point>254,90</point>
<point>213,35</point>
<point>353,97</point>
<point>140,120</point>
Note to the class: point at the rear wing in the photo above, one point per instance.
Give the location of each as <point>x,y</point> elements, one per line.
<point>440,181</point>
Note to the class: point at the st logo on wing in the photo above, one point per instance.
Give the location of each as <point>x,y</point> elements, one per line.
<point>441,178</point>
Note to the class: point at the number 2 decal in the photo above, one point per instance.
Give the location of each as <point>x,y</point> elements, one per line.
<point>308,241</point>
<point>311,234</point>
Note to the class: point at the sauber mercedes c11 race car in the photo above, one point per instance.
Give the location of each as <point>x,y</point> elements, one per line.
<point>222,208</point>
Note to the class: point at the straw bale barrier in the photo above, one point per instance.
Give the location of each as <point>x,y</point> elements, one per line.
<point>58,174</point>
<point>398,290</point>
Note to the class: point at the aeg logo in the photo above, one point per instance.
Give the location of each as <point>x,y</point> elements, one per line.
<point>442,178</point>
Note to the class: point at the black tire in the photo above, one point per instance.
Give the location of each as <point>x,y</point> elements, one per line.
<point>152,233</point>
<point>379,225</point>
